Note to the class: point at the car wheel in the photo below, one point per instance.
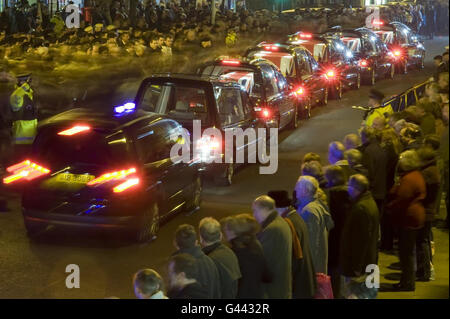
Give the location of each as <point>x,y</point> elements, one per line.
<point>358,81</point>
<point>340,91</point>
<point>405,68</point>
<point>373,79</point>
<point>325,97</point>
<point>295,120</point>
<point>227,177</point>
<point>306,110</point>
<point>150,222</point>
<point>34,229</point>
<point>422,62</point>
<point>196,199</point>
<point>392,72</point>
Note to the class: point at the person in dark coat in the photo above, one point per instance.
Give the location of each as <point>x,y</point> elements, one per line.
<point>354,158</point>
<point>375,160</point>
<point>207,273</point>
<point>304,283</point>
<point>240,231</point>
<point>339,206</point>
<point>226,261</point>
<point>432,176</point>
<point>408,213</point>
<point>359,238</point>
<point>276,240</point>
<point>183,272</point>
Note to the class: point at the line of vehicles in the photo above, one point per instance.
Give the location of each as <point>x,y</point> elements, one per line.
<point>113,168</point>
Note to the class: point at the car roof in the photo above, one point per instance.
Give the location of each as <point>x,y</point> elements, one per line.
<point>99,119</point>
<point>186,78</point>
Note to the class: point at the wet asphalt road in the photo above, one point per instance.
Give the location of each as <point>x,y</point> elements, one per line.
<point>36,269</point>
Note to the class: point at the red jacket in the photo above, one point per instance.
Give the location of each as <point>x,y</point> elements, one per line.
<point>406,206</point>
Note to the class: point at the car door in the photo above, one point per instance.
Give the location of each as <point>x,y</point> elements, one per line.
<point>287,107</point>
<point>154,142</point>
<point>234,113</point>
<point>315,81</point>
<point>272,92</point>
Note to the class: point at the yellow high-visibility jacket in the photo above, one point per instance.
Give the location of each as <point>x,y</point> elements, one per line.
<point>24,127</point>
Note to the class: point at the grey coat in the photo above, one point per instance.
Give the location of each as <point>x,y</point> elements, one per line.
<point>319,222</point>
<point>276,240</point>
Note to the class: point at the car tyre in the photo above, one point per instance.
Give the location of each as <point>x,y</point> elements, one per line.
<point>227,177</point>
<point>358,81</point>
<point>306,110</point>
<point>34,229</point>
<point>325,97</point>
<point>295,120</point>
<point>150,222</point>
<point>392,72</point>
<point>373,79</point>
<point>196,200</point>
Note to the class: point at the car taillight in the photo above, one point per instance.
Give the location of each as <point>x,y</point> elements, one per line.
<point>305,35</point>
<point>271,48</point>
<point>75,130</point>
<point>231,62</point>
<point>122,180</point>
<point>126,185</point>
<point>209,147</point>
<point>378,22</point>
<point>397,53</point>
<point>112,176</point>
<point>363,63</point>
<point>330,74</point>
<point>263,112</point>
<point>300,91</point>
<point>26,170</point>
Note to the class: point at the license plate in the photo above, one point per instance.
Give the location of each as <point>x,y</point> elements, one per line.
<point>411,52</point>
<point>74,178</point>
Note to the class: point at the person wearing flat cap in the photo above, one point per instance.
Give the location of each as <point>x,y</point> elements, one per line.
<point>303,275</point>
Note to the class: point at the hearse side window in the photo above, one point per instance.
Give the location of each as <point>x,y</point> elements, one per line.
<point>229,105</point>
<point>270,81</point>
<point>303,64</point>
<point>155,141</point>
<point>155,96</point>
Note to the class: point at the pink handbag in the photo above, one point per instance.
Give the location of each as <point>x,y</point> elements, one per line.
<point>324,289</point>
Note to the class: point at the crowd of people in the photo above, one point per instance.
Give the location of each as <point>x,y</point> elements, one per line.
<point>379,190</point>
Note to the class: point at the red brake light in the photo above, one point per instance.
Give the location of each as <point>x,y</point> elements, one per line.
<point>300,91</point>
<point>305,35</point>
<point>231,62</point>
<point>270,48</point>
<point>397,53</point>
<point>363,63</point>
<point>330,74</point>
<point>113,176</point>
<point>378,22</point>
<point>266,113</point>
<point>125,185</point>
<point>75,130</point>
<point>25,170</point>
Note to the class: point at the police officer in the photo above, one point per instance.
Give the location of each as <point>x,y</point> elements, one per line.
<point>24,116</point>
<point>376,108</point>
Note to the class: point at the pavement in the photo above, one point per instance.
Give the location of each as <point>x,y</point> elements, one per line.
<point>37,269</point>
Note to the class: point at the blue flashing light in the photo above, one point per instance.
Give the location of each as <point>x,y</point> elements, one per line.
<point>126,108</point>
